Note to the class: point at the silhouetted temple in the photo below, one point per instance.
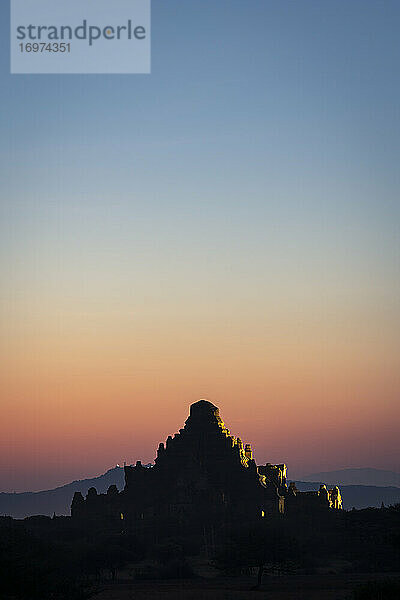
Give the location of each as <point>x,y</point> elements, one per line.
<point>202,477</point>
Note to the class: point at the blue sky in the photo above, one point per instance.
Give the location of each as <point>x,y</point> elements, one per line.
<point>284,108</point>
<point>270,120</point>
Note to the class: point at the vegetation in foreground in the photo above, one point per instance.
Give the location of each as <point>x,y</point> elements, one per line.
<point>53,559</point>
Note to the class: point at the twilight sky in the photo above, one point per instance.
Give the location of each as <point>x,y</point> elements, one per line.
<point>227,228</point>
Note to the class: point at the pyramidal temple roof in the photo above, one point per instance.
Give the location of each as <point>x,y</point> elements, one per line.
<point>203,414</point>
<point>203,406</point>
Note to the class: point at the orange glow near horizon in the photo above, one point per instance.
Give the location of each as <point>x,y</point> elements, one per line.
<point>85,393</point>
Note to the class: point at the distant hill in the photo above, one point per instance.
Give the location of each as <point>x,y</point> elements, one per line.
<point>59,500</point>
<point>21,505</point>
<point>375,477</point>
<point>359,496</point>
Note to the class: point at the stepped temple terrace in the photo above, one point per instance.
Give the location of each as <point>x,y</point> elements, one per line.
<point>203,479</point>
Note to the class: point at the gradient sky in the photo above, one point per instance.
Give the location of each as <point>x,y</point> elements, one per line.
<point>227,228</point>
